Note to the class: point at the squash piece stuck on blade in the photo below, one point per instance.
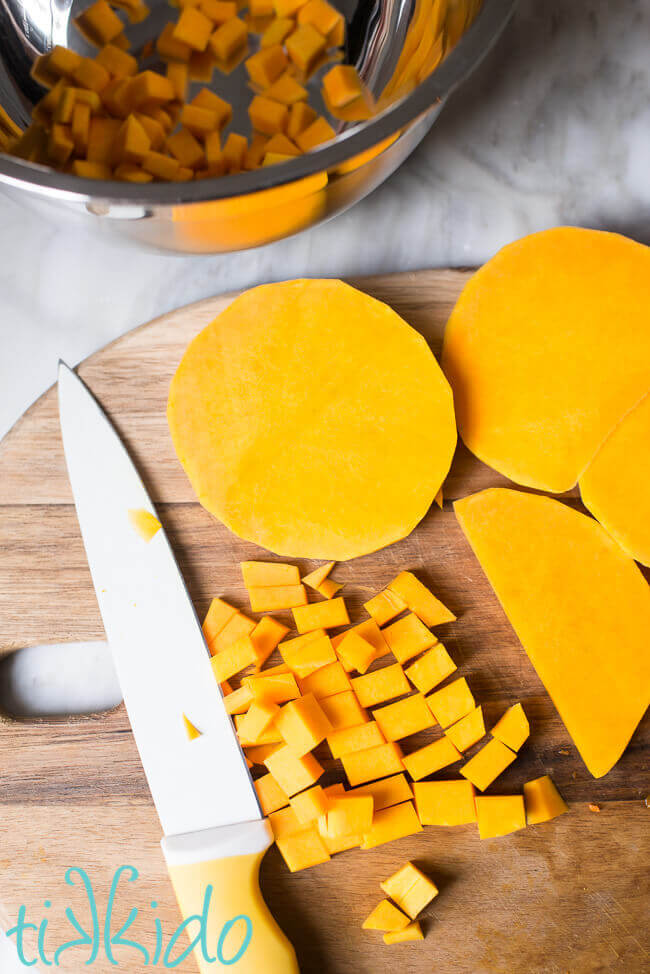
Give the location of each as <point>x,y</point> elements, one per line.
<point>452,702</point>
<point>431,758</point>
<point>468,730</point>
<point>431,669</point>
<point>380,685</point>
<point>543,801</point>
<point>145,523</point>
<point>191,731</point>
<point>547,349</point>
<point>385,916</point>
<point>499,815</point>
<point>392,823</point>
<point>303,849</point>
<point>373,763</point>
<point>614,487</point>
<point>420,600</point>
<point>293,773</point>
<point>321,615</point>
<point>407,935</point>
<point>512,729</point>
<point>407,637</point>
<point>231,436</point>
<point>488,763</point>
<point>406,717</point>
<point>410,889</point>
<point>580,607</point>
<point>303,724</point>
<point>447,803</point>
<point>270,795</point>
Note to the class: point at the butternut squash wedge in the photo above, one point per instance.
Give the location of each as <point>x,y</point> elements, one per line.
<point>279,385</point>
<point>547,349</point>
<point>614,487</point>
<point>580,607</point>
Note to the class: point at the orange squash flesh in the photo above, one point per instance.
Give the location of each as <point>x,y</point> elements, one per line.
<point>580,607</point>
<point>547,350</point>
<point>239,405</point>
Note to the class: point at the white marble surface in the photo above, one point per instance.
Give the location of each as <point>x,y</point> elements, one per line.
<point>553,128</point>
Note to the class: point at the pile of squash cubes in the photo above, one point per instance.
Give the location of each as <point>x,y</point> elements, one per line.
<point>108,118</point>
<point>325,691</point>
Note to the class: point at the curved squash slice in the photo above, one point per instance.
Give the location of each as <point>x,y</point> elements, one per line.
<point>312,420</point>
<point>580,607</point>
<point>615,487</point>
<point>547,349</point>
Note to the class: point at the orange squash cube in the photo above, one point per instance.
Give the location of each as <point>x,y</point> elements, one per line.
<point>229,39</point>
<point>373,763</point>
<point>238,624</point>
<point>301,116</point>
<point>343,710</point>
<point>285,822</point>
<point>268,632</point>
<point>405,717</point>
<point>408,934</point>
<point>270,598</point>
<point>118,63</point>
<point>370,631</point>
<point>89,74</point>
<point>420,600</point>
<point>218,11</point>
<point>270,795</point>
<point>276,32</point>
<point>303,724</point>
<point>325,18</point>
<point>238,701</point>
<point>178,74</point>
<point>431,669</point>
<point>468,730</point>
<point>193,28</point>
<point>319,132</point>
<point>91,170</point>
<point>269,117</point>
<point>268,736</point>
<point>487,764</point>
<point>357,738</point>
<point>410,889</point>
<point>385,916</point>
<point>543,801</point>
<point>318,576</point>
<point>273,688</point>
<point>258,753</point>
<point>259,574</point>
<point>289,646</point>
<point>329,587</point>
<point>407,637</point>
<point>256,720</point>
<point>293,773</point>
<point>223,110</point>
<point>349,815</point>
<point>387,792</point>
<point>266,66</point>
<point>392,823</point>
<point>319,615</point>
<point>310,657</point>
<point>281,144</point>
<point>431,758</point>
<point>287,8</point>
<point>99,24</point>
<point>149,88</point>
<point>380,685</point>
<point>170,48</point>
<point>384,607</point>
<point>451,703</point>
<point>101,136</point>
<point>310,805</point>
<point>302,850</point>
<point>305,46</point>
<point>513,728</point>
<point>355,652</point>
<point>447,803</point>
<point>326,681</point>
<point>342,85</point>
<point>499,815</point>
<point>131,143</point>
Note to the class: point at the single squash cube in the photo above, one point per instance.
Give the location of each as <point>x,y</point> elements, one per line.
<point>310,657</point>
<point>487,764</point>
<point>381,685</point>
<point>260,574</point>
<point>385,916</point>
<point>256,720</point>
<point>270,795</point>
<point>317,133</point>
<point>302,850</point>
<point>310,805</point>
<point>318,615</point>
<point>99,24</point>
<point>373,763</point>
<point>420,600</point>
<point>407,637</point>
<point>149,88</point>
<point>370,631</point>
<point>269,736</point>
<point>342,85</point>
<point>223,110</point>
<point>199,121</point>
<point>193,28</point>
<point>406,717</point>
<point>387,792</point>
<point>326,19</point>
<point>268,633</point>
<point>119,64</point>
<point>266,66</point>
<point>238,701</point>
<point>468,730</point>
<point>499,815</point>
<point>431,758</point>
<point>303,724</point>
<point>171,49</point>
<point>410,889</point>
<point>384,607</point>
<point>339,844</point>
<point>234,659</point>
<point>237,625</point>
<point>349,815</point>
<point>218,11</point>
<point>343,710</point>
<point>326,681</point>
<point>451,703</point>
<point>390,824</point>
<point>431,669</point>
<point>513,728</point>
<point>272,598</point>
<point>292,772</point>
<point>258,753</point>
<point>543,801</point>
<point>89,74</point>
<point>131,143</point>
<point>285,822</point>
<point>277,31</point>
<point>355,652</point>
<point>305,46</point>
<point>301,116</point>
<point>273,688</point>
<point>287,8</point>
<point>355,739</point>
<point>229,40</point>
<point>407,935</point>
<point>445,803</point>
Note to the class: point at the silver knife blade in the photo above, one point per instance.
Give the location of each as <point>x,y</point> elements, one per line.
<point>160,654</point>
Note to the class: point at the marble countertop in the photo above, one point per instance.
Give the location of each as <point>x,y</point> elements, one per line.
<point>553,128</point>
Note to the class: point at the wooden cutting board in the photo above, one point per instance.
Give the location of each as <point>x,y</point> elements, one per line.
<point>571,895</point>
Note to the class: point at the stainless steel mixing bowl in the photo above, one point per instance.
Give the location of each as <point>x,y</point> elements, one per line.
<point>247,209</point>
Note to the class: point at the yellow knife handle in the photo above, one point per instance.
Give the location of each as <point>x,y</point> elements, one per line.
<point>215,875</point>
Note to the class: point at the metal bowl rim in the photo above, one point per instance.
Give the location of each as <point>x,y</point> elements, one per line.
<point>467,54</point>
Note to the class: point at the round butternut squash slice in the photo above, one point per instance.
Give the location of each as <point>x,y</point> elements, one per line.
<point>615,487</point>
<point>547,349</point>
<point>313,420</point>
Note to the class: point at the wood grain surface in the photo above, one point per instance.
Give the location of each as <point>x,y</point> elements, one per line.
<point>572,895</point>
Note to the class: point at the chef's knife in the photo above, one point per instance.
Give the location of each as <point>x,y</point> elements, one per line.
<point>214,833</point>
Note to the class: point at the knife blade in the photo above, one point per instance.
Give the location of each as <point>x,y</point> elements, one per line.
<point>202,789</point>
